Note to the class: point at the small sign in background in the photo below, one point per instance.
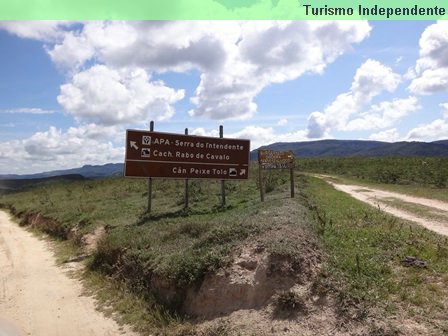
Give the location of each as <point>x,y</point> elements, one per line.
<point>269,159</point>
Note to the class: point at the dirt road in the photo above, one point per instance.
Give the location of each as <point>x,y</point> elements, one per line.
<point>376,197</point>
<point>37,297</point>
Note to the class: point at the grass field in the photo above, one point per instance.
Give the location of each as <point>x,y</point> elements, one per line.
<point>366,247</point>
<point>412,171</point>
<point>363,247</point>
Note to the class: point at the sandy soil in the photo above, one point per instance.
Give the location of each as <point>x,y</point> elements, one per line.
<point>39,298</point>
<point>375,196</point>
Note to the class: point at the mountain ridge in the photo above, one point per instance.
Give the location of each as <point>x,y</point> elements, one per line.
<point>338,148</point>
<point>87,171</point>
<point>318,148</point>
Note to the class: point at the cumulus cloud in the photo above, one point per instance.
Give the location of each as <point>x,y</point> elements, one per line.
<point>438,129</point>
<point>109,68</point>
<point>47,31</point>
<point>110,97</point>
<point>271,53</point>
<point>75,50</point>
<point>384,114</point>
<point>444,107</point>
<point>258,136</point>
<point>94,144</point>
<point>55,149</point>
<point>157,45</point>
<point>371,79</point>
<point>431,71</point>
<point>236,59</point>
<point>389,135</point>
<point>203,132</point>
<point>430,81</point>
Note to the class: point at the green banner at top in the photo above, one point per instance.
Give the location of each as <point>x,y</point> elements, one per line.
<point>223,10</point>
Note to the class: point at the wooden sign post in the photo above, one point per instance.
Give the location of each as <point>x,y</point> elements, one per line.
<point>151,129</point>
<point>152,154</point>
<point>223,185</point>
<point>269,159</point>
<point>260,178</point>
<point>186,183</point>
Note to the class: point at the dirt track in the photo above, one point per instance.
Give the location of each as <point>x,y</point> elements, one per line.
<point>374,197</point>
<point>37,297</point>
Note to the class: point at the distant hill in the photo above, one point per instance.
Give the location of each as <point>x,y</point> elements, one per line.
<point>441,142</point>
<point>320,148</point>
<point>337,148</point>
<point>11,185</point>
<point>87,171</point>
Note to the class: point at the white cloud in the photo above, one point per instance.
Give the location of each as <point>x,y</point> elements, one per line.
<point>236,59</point>
<point>30,110</point>
<point>282,122</point>
<point>389,135</point>
<point>93,144</point>
<point>444,107</point>
<point>257,135</point>
<point>438,129</point>
<point>371,79</point>
<point>430,81</point>
<point>271,53</point>
<point>75,50</point>
<point>155,45</point>
<point>54,149</point>
<point>384,114</point>
<point>110,97</point>
<point>317,125</point>
<point>203,132</point>
<point>431,70</point>
<point>48,31</point>
<point>434,46</point>
<point>260,136</point>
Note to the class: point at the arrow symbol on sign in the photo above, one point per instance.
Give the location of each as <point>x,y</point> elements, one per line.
<point>133,144</point>
<point>243,172</point>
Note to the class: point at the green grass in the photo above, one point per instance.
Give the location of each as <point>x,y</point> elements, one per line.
<point>365,247</point>
<point>173,248</point>
<point>120,202</point>
<point>431,172</point>
<point>154,258</point>
<point>182,250</point>
<point>143,313</point>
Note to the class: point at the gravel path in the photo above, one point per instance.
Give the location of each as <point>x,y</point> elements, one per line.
<point>375,197</point>
<point>37,297</point>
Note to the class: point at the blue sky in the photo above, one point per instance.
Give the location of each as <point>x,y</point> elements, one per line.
<point>69,90</point>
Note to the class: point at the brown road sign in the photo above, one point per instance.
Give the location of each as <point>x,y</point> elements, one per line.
<point>270,159</point>
<point>157,154</point>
